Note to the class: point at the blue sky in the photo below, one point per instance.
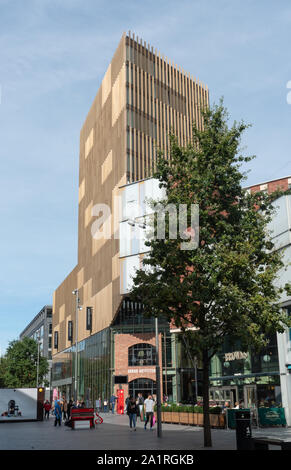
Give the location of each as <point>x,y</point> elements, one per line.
<point>53,55</point>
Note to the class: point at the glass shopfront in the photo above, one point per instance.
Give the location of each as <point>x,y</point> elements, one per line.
<point>94,378</point>
<point>248,377</point>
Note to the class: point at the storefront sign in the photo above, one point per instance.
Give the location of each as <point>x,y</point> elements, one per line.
<point>272,416</point>
<point>141,371</point>
<point>235,356</point>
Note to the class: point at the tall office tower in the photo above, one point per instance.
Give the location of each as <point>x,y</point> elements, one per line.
<point>142,97</point>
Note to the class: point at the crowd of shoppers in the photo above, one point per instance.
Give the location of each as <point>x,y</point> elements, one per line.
<point>61,409</point>
<point>134,408</point>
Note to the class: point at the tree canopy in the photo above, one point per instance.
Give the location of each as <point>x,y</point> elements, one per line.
<point>18,367</point>
<point>225,286</point>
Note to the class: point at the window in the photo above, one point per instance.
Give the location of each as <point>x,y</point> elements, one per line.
<point>70,330</point>
<point>142,354</point>
<point>49,313</point>
<point>89,311</point>
<point>56,340</point>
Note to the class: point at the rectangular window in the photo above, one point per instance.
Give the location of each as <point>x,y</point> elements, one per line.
<point>56,340</point>
<point>89,311</point>
<point>70,330</point>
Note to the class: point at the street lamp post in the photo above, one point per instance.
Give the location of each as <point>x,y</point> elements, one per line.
<point>78,307</point>
<point>37,365</point>
<point>158,382</point>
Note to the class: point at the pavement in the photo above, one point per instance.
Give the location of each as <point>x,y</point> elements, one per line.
<point>115,434</point>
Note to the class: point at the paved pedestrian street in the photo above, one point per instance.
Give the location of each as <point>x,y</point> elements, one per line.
<point>113,434</point>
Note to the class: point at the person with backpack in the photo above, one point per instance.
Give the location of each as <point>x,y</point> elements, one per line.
<point>132,411</point>
<point>58,413</point>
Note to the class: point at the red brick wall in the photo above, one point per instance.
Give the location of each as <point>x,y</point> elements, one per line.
<point>122,343</point>
<point>272,185</point>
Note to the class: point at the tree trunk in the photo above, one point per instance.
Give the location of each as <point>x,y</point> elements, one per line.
<point>206,419</point>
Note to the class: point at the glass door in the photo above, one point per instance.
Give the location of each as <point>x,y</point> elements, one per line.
<point>250,396</point>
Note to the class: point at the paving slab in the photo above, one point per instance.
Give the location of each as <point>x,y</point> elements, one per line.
<point>113,434</point>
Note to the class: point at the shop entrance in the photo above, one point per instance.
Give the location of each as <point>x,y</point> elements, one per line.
<point>143,386</point>
<point>250,396</point>
<point>222,394</point>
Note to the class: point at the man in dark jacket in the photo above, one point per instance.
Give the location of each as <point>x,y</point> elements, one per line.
<point>132,410</point>
<point>140,402</point>
<point>113,399</point>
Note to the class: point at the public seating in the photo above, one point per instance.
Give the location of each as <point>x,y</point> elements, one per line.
<point>263,442</point>
<point>82,418</point>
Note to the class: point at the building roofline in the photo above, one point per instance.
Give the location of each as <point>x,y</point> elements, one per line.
<point>36,316</point>
<point>268,181</point>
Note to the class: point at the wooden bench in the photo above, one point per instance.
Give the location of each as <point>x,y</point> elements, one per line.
<point>82,418</point>
<point>262,443</point>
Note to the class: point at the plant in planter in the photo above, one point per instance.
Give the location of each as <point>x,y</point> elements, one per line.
<point>167,413</point>
<point>175,413</point>
<point>183,414</point>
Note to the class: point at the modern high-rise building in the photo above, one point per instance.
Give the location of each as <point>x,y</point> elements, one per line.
<point>40,329</point>
<point>142,98</point>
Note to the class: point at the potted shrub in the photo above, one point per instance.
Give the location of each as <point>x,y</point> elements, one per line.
<point>199,411</point>
<point>190,411</point>
<point>175,414</point>
<point>184,415</point>
<point>167,413</point>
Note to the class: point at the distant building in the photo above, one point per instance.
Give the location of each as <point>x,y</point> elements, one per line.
<point>40,329</point>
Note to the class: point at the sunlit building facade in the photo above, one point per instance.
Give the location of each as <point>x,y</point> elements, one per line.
<point>142,98</point>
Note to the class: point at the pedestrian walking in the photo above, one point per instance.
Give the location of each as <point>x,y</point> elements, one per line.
<point>140,402</point>
<point>98,404</point>
<point>149,411</point>
<point>113,399</point>
<point>105,405</point>
<point>47,407</point>
<point>70,404</point>
<point>132,410</point>
<point>127,400</point>
<point>58,413</point>
<point>65,408</point>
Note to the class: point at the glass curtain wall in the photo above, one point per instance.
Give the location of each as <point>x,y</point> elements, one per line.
<point>94,377</point>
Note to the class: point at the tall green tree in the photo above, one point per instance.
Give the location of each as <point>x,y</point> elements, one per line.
<point>20,365</point>
<point>226,285</point>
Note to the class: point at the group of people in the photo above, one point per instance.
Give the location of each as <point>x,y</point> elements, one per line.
<point>107,404</point>
<point>134,407</point>
<point>61,409</point>
<point>140,407</point>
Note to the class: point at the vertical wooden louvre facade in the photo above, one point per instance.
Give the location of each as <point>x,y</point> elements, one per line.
<point>142,98</point>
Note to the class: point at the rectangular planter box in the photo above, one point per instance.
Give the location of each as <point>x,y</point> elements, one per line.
<point>184,418</point>
<point>191,418</point>
<point>214,420</point>
<point>167,416</point>
<point>200,419</point>
<point>175,417</point>
<point>196,419</point>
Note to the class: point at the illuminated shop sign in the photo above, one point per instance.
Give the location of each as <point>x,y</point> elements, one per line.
<point>237,355</point>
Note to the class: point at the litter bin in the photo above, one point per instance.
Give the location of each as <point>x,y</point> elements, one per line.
<point>243,430</point>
